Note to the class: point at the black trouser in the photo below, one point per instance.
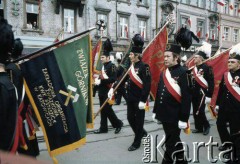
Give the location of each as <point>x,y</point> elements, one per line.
<point>108,113</point>
<point>135,118</point>
<point>173,144</point>
<point>222,126</point>
<point>200,119</point>
<point>121,92</point>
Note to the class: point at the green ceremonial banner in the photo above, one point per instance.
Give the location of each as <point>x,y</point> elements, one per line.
<point>58,84</point>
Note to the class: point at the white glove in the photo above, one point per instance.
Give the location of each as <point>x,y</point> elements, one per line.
<point>216,109</point>
<point>154,118</point>
<point>141,105</point>
<point>110,93</point>
<point>182,125</point>
<point>207,100</point>
<point>97,81</point>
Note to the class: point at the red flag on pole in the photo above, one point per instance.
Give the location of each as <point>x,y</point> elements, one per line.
<point>154,57</point>
<point>219,65</point>
<point>126,30</point>
<point>218,27</point>
<point>199,34</point>
<point>189,22</point>
<point>206,35</point>
<point>96,55</point>
<point>231,6</point>
<point>221,2</point>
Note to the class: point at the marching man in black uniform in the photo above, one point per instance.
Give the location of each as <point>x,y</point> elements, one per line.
<point>107,77</point>
<point>173,103</point>
<point>203,85</point>
<point>229,103</point>
<point>8,94</point>
<point>138,89</point>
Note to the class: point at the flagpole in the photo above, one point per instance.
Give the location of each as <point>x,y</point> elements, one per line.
<point>123,77</point>
<point>55,44</point>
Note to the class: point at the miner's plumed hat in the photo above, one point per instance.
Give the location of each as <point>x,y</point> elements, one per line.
<point>107,47</point>
<point>184,37</point>
<point>205,50</point>
<point>235,52</point>
<point>17,48</point>
<point>173,48</point>
<point>137,44</point>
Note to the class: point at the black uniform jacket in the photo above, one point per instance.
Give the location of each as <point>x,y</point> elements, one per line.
<point>8,111</point>
<point>208,76</point>
<point>226,100</point>
<point>106,84</point>
<point>134,93</point>
<point>166,107</point>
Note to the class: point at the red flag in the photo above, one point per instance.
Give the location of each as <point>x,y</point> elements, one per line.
<point>219,65</point>
<point>206,35</point>
<point>142,34</point>
<point>199,34</point>
<point>213,36</point>
<point>189,22</point>
<point>218,27</point>
<point>190,62</point>
<point>126,29</point>
<point>221,2</point>
<point>153,55</point>
<point>231,7</point>
<point>96,54</point>
<point>238,10</point>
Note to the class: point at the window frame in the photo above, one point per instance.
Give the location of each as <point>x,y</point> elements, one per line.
<point>203,32</point>
<point>39,16</point>
<point>106,12</point>
<point>74,19</point>
<point>226,7</point>
<point>185,23</point>
<point>238,33</point>
<point>228,34</point>
<point>236,8</point>
<point>145,28</point>
<point>126,16</point>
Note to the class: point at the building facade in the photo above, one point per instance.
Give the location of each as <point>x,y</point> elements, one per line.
<point>38,22</point>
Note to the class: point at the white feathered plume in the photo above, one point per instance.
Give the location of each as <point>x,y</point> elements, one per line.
<point>235,49</point>
<point>206,48</point>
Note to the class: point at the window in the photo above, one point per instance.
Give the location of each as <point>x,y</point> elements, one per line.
<point>184,1</point>
<point>226,7</point>
<point>68,20</point>
<point>184,21</point>
<point>194,2</point>
<point>1,9</point>
<point>200,28</point>
<point>212,32</point>
<point>226,32</point>
<point>142,28</point>
<point>235,35</point>
<point>105,19</point>
<point>124,27</point>
<point>213,5</point>
<point>236,9</point>
<point>200,3</point>
<point>32,11</point>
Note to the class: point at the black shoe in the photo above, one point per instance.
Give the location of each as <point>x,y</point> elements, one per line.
<point>197,131</point>
<point>132,148</point>
<point>206,131</point>
<point>99,131</point>
<point>118,129</point>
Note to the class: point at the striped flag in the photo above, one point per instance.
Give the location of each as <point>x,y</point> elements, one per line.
<point>59,86</point>
<point>96,53</point>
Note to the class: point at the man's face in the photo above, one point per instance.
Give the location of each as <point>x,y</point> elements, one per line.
<point>233,64</point>
<point>133,58</point>
<point>197,59</point>
<point>169,60</point>
<point>104,59</point>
